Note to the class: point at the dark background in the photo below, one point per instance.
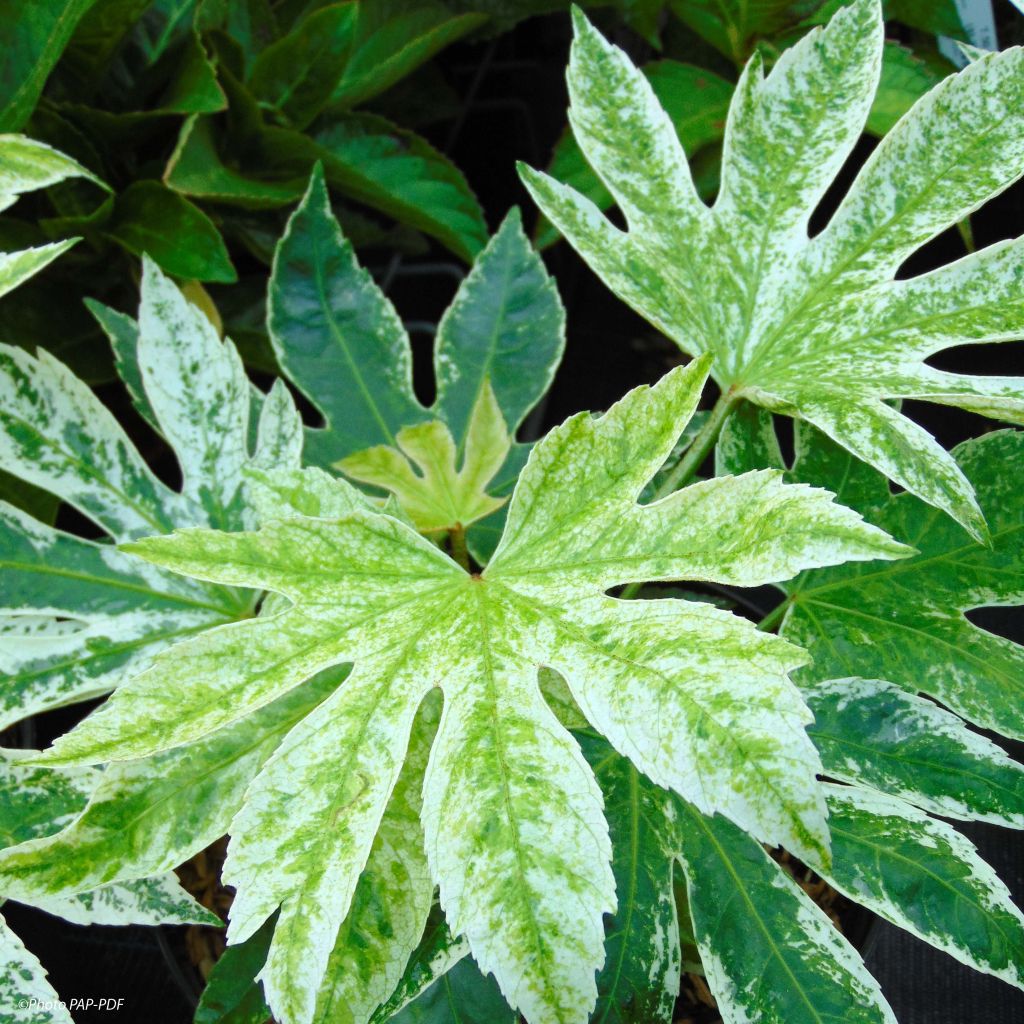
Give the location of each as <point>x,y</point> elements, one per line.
<point>511,106</point>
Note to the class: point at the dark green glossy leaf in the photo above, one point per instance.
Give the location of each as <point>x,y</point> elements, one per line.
<point>905,79</point>
<point>460,996</point>
<point>940,17</point>
<point>770,955</point>
<point>150,218</point>
<point>196,169</point>
<point>232,994</point>
<point>338,337</point>
<point>32,38</point>
<point>398,172</point>
<point>905,621</point>
<point>393,39</point>
<point>875,734</point>
<point>297,74</point>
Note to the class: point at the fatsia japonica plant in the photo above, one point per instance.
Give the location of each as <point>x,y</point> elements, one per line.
<point>400,652</point>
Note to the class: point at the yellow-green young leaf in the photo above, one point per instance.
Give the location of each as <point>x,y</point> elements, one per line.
<point>907,623</point>
<point>422,474</point>
<point>515,835</point>
<point>818,328</point>
<point>923,876</point>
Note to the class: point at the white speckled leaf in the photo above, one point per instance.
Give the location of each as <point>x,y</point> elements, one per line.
<point>143,817</point>
<point>770,955</point>
<point>76,615</point>
<point>816,328</point>
<point>198,392</point>
<point>158,900</point>
<point>923,876</point>
<point>391,900</point>
<point>515,835</point>
<point>23,985</point>
<point>877,735</point>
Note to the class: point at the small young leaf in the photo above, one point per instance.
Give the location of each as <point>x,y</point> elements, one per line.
<point>422,472</point>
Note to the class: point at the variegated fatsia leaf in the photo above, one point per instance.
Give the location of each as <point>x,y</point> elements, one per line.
<point>27,165</point>
<point>908,623</point>
<point>818,328</point>
<point>698,698</point>
<point>78,615</point>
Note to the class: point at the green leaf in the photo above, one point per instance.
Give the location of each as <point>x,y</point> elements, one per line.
<point>390,43</point>
<point>696,100</point>
<point>733,26</point>
<point>904,80</point>
<point>337,336</point>
<point>639,983</point>
<point>923,876</point>
<point>769,953</point>
<point>232,995</point>
<point>816,328</point>
<point>23,985</point>
<point>907,623</point>
<point>27,165</point>
<point>505,326</point>
<point>373,161</point>
<point>33,39</point>
<point>940,17</point>
<point>462,995</point>
<point>150,218</point>
<point>874,734</point>
<point>421,473</point>
<point>511,811</point>
<point>196,169</point>
<point>297,74</point>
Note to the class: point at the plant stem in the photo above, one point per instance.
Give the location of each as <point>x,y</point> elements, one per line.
<point>693,458</point>
<point>457,540</point>
<point>774,617</point>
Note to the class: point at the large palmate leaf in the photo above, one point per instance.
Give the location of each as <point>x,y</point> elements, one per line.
<point>341,342</point>
<point>907,623</point>
<point>78,615</point>
<point>817,328</point>
<point>511,813</point>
